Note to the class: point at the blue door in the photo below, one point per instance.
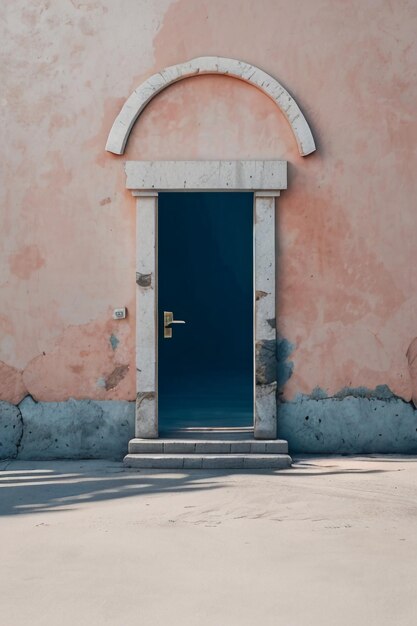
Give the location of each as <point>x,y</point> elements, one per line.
<point>205,279</point>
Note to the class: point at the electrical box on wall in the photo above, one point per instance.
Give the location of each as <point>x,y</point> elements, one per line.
<point>120,314</point>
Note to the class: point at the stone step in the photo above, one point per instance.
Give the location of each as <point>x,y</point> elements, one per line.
<point>207,461</point>
<point>201,446</point>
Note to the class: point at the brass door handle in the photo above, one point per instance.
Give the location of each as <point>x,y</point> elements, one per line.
<point>168,321</point>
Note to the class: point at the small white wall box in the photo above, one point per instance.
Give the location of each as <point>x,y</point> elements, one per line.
<point>120,314</point>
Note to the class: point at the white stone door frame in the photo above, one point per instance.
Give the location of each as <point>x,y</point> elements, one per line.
<point>265,179</point>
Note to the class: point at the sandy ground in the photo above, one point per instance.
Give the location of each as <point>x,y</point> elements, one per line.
<point>332,541</point>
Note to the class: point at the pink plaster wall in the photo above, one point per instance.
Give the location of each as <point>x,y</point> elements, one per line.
<point>347,279</point>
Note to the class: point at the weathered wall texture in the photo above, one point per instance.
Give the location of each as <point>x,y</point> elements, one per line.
<point>76,429</point>
<point>347,255</point>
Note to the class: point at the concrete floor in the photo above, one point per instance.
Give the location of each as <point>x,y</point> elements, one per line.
<point>332,541</point>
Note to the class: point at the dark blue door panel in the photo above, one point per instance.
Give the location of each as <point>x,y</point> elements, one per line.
<point>205,277</point>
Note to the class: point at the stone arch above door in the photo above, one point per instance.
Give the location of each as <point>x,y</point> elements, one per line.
<point>143,94</point>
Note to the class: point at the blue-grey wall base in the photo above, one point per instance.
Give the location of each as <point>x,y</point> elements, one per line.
<point>348,426</point>
<point>76,429</point>
<point>87,429</point>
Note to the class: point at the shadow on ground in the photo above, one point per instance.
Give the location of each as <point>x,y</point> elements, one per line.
<point>36,487</point>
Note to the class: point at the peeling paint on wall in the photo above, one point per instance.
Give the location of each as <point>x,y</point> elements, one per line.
<point>12,387</point>
<point>116,376</point>
<point>381,392</point>
<point>95,355</point>
<point>114,341</point>
<point>284,366</point>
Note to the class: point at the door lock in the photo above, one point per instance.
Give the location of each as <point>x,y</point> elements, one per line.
<point>168,321</point>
